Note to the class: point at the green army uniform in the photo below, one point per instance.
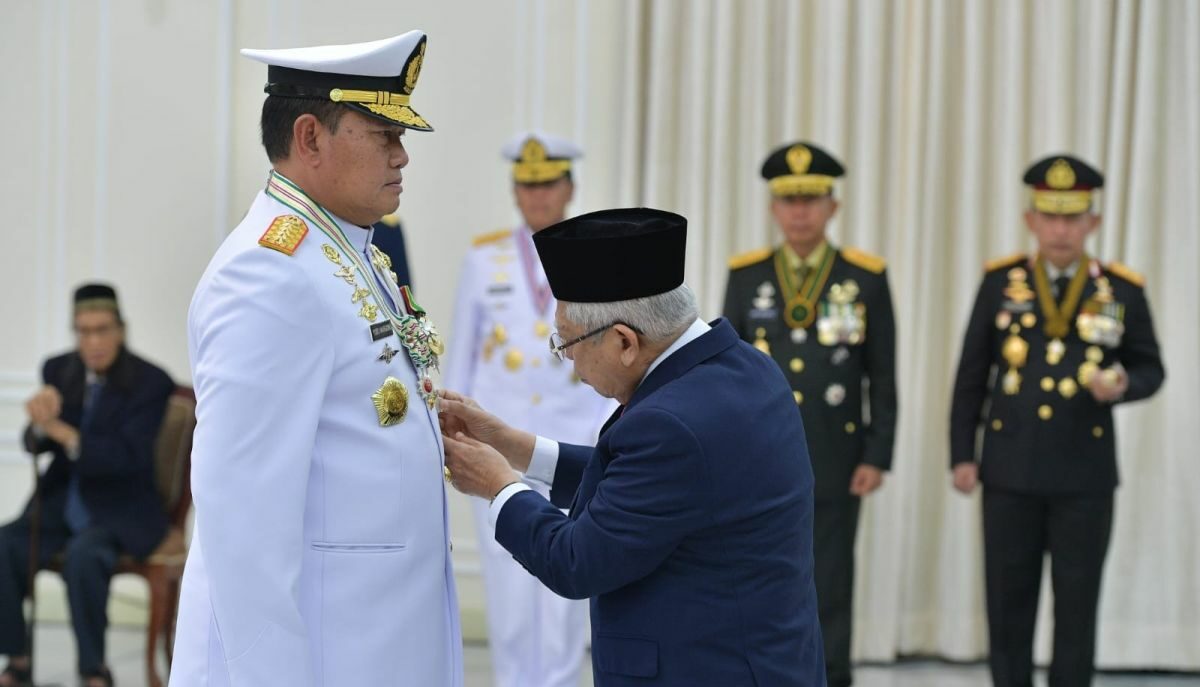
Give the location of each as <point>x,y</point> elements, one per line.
<point>829,325</point>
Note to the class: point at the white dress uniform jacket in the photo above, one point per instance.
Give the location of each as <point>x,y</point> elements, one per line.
<point>320,553</point>
<point>499,355</point>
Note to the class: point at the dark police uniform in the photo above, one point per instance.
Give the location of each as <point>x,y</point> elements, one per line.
<point>1048,459</point>
<point>833,334</point>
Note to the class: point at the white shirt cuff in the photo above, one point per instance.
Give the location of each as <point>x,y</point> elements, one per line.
<point>502,498</point>
<point>544,461</point>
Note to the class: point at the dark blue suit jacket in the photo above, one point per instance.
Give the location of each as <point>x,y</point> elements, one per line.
<point>690,529</point>
<point>116,453</point>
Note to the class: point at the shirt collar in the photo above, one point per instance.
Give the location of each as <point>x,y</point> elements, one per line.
<point>693,332</point>
<point>813,260</point>
<point>359,237</point>
<point>1054,273</point>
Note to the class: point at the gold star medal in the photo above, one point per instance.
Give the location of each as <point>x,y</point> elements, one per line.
<point>391,402</point>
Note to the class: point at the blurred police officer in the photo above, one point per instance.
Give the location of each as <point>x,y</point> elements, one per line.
<point>1055,340</point>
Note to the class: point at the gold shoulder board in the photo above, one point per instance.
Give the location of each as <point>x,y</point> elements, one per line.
<point>491,237</point>
<point>741,260</point>
<point>284,234</point>
<point>1127,274</point>
<point>390,219</point>
<point>1000,263</point>
<point>867,261</point>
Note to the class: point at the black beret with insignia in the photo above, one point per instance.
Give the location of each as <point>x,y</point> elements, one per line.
<point>1062,184</point>
<point>801,169</point>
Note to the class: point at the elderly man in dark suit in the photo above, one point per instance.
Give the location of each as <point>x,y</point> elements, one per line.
<point>99,413</point>
<point>690,524</point>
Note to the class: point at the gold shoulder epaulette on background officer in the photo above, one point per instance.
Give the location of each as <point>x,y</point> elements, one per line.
<point>748,258</point>
<point>391,219</point>
<point>867,261</point>
<point>284,234</point>
<point>490,237</point>
<point>1001,263</point>
<point>1127,274</point>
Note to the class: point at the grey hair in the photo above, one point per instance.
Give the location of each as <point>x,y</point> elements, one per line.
<point>656,317</point>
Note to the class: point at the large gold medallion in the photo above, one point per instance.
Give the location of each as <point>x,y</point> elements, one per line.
<point>391,402</point>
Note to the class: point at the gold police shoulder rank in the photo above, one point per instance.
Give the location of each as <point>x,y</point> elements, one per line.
<point>284,234</point>
<point>1001,263</point>
<point>1127,274</point>
<point>390,219</point>
<point>491,237</point>
<point>867,261</point>
<point>749,258</point>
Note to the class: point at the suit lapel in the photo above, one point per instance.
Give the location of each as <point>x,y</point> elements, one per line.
<point>719,338</point>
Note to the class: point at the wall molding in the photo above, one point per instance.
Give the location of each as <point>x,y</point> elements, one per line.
<point>224,120</point>
<point>101,137</point>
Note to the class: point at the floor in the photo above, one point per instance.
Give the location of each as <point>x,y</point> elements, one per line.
<point>56,654</point>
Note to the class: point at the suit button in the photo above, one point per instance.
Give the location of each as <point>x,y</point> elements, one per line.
<point>1045,412</point>
<point>850,428</point>
<point>1097,432</point>
<point>997,425</point>
<point>798,396</point>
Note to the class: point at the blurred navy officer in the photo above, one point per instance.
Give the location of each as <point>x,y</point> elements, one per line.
<point>498,355</point>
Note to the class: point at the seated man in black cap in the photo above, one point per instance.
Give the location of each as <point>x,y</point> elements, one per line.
<point>691,534</point>
<point>99,414</point>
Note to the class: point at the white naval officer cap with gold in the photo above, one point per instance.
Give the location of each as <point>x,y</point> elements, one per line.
<point>376,78</point>
<point>539,157</point>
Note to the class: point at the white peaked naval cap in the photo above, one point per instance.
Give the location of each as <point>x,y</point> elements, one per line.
<point>376,78</point>
<point>539,157</point>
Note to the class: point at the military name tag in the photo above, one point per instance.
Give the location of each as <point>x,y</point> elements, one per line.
<point>380,330</point>
<point>763,313</point>
<point>499,288</point>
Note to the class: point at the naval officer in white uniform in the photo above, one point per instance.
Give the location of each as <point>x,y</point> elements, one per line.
<point>320,553</point>
<point>499,355</point>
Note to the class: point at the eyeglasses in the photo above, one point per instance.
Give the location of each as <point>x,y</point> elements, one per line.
<point>558,348</point>
<point>101,332</point>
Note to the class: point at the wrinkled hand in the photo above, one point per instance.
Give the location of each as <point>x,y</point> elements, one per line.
<point>966,476</point>
<point>1109,385</point>
<point>461,414</point>
<point>454,423</point>
<point>476,469</point>
<point>866,479</point>
<point>44,406</point>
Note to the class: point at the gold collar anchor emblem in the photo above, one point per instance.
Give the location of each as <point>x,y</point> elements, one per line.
<point>391,402</point>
